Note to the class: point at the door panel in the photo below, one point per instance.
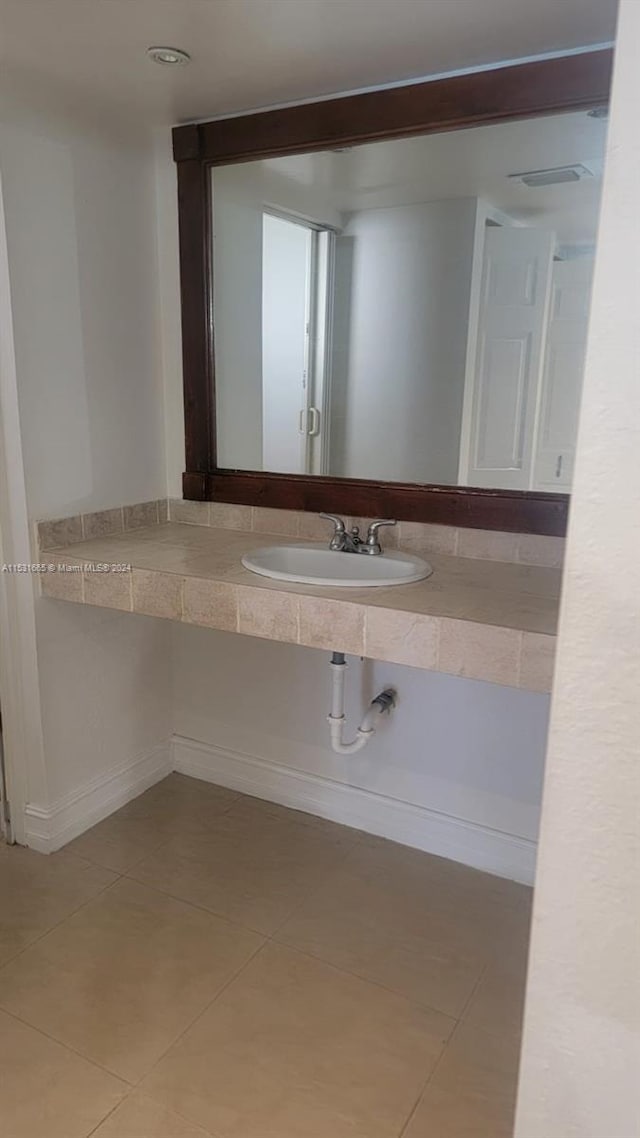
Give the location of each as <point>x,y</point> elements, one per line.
<point>502,398</point>
<point>512,326</point>
<point>563,373</point>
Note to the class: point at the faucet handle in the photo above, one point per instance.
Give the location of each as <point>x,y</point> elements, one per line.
<point>339,526</point>
<point>372,533</point>
<point>375,526</point>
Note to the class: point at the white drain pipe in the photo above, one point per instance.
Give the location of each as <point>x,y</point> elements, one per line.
<point>385,701</point>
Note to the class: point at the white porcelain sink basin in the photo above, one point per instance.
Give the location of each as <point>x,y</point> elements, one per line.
<point>311,564</point>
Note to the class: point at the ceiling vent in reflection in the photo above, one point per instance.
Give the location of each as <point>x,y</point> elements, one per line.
<point>554,176</point>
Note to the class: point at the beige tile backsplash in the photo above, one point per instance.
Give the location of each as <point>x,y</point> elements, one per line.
<point>415,537</point>
<point>103,523</point>
<point>143,514</point>
<point>62,531</point>
<point>100,523</point>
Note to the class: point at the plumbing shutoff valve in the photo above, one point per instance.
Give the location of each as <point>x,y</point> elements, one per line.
<point>386,699</point>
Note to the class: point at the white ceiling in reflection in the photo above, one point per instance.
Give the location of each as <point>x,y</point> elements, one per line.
<point>466,163</point>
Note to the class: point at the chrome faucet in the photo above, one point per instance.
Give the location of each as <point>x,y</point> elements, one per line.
<point>344,541</point>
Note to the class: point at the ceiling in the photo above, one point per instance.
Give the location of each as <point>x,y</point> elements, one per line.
<point>255,53</point>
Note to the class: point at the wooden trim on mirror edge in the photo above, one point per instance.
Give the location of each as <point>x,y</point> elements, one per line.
<point>549,86</point>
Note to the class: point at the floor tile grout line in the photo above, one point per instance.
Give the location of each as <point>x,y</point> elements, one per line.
<point>72,1050</point>
<point>477,984</point>
<point>223,916</point>
<point>67,916</point>
<point>314,891</point>
<point>128,874</point>
<point>110,1113</point>
<point>430,1077</point>
<point>365,980</point>
<point>315,826</point>
<point>108,1070</point>
<point>267,943</point>
<point>170,1110</point>
<point>93,1062</point>
<point>231,979</point>
<point>149,853</point>
<point>199,908</point>
<point>272,938</point>
<point>458,1024</point>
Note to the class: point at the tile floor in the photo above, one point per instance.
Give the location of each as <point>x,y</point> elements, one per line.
<point>206,965</point>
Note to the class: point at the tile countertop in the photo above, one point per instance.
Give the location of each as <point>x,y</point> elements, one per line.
<point>487,620</point>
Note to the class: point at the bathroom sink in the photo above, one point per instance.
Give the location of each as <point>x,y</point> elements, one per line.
<point>311,564</point>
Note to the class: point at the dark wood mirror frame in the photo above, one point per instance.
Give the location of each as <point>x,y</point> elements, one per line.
<point>549,86</point>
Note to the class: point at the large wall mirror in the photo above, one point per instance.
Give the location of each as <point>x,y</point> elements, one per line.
<point>408,312</point>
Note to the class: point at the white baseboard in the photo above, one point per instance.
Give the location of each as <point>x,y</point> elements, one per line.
<point>49,828</point>
<point>503,854</point>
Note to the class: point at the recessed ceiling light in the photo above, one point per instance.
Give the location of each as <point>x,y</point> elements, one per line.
<point>168,56</point>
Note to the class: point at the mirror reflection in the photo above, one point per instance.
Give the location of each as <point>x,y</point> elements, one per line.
<point>412,310</point>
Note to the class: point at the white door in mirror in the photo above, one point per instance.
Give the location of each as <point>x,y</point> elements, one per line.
<point>311,564</point>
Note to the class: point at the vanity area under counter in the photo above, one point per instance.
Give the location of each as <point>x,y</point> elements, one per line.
<point>492,620</point>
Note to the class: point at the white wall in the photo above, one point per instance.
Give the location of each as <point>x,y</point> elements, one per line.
<point>581,1056</point>
<point>81,241</point>
<point>403,281</point>
<point>464,749</point>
